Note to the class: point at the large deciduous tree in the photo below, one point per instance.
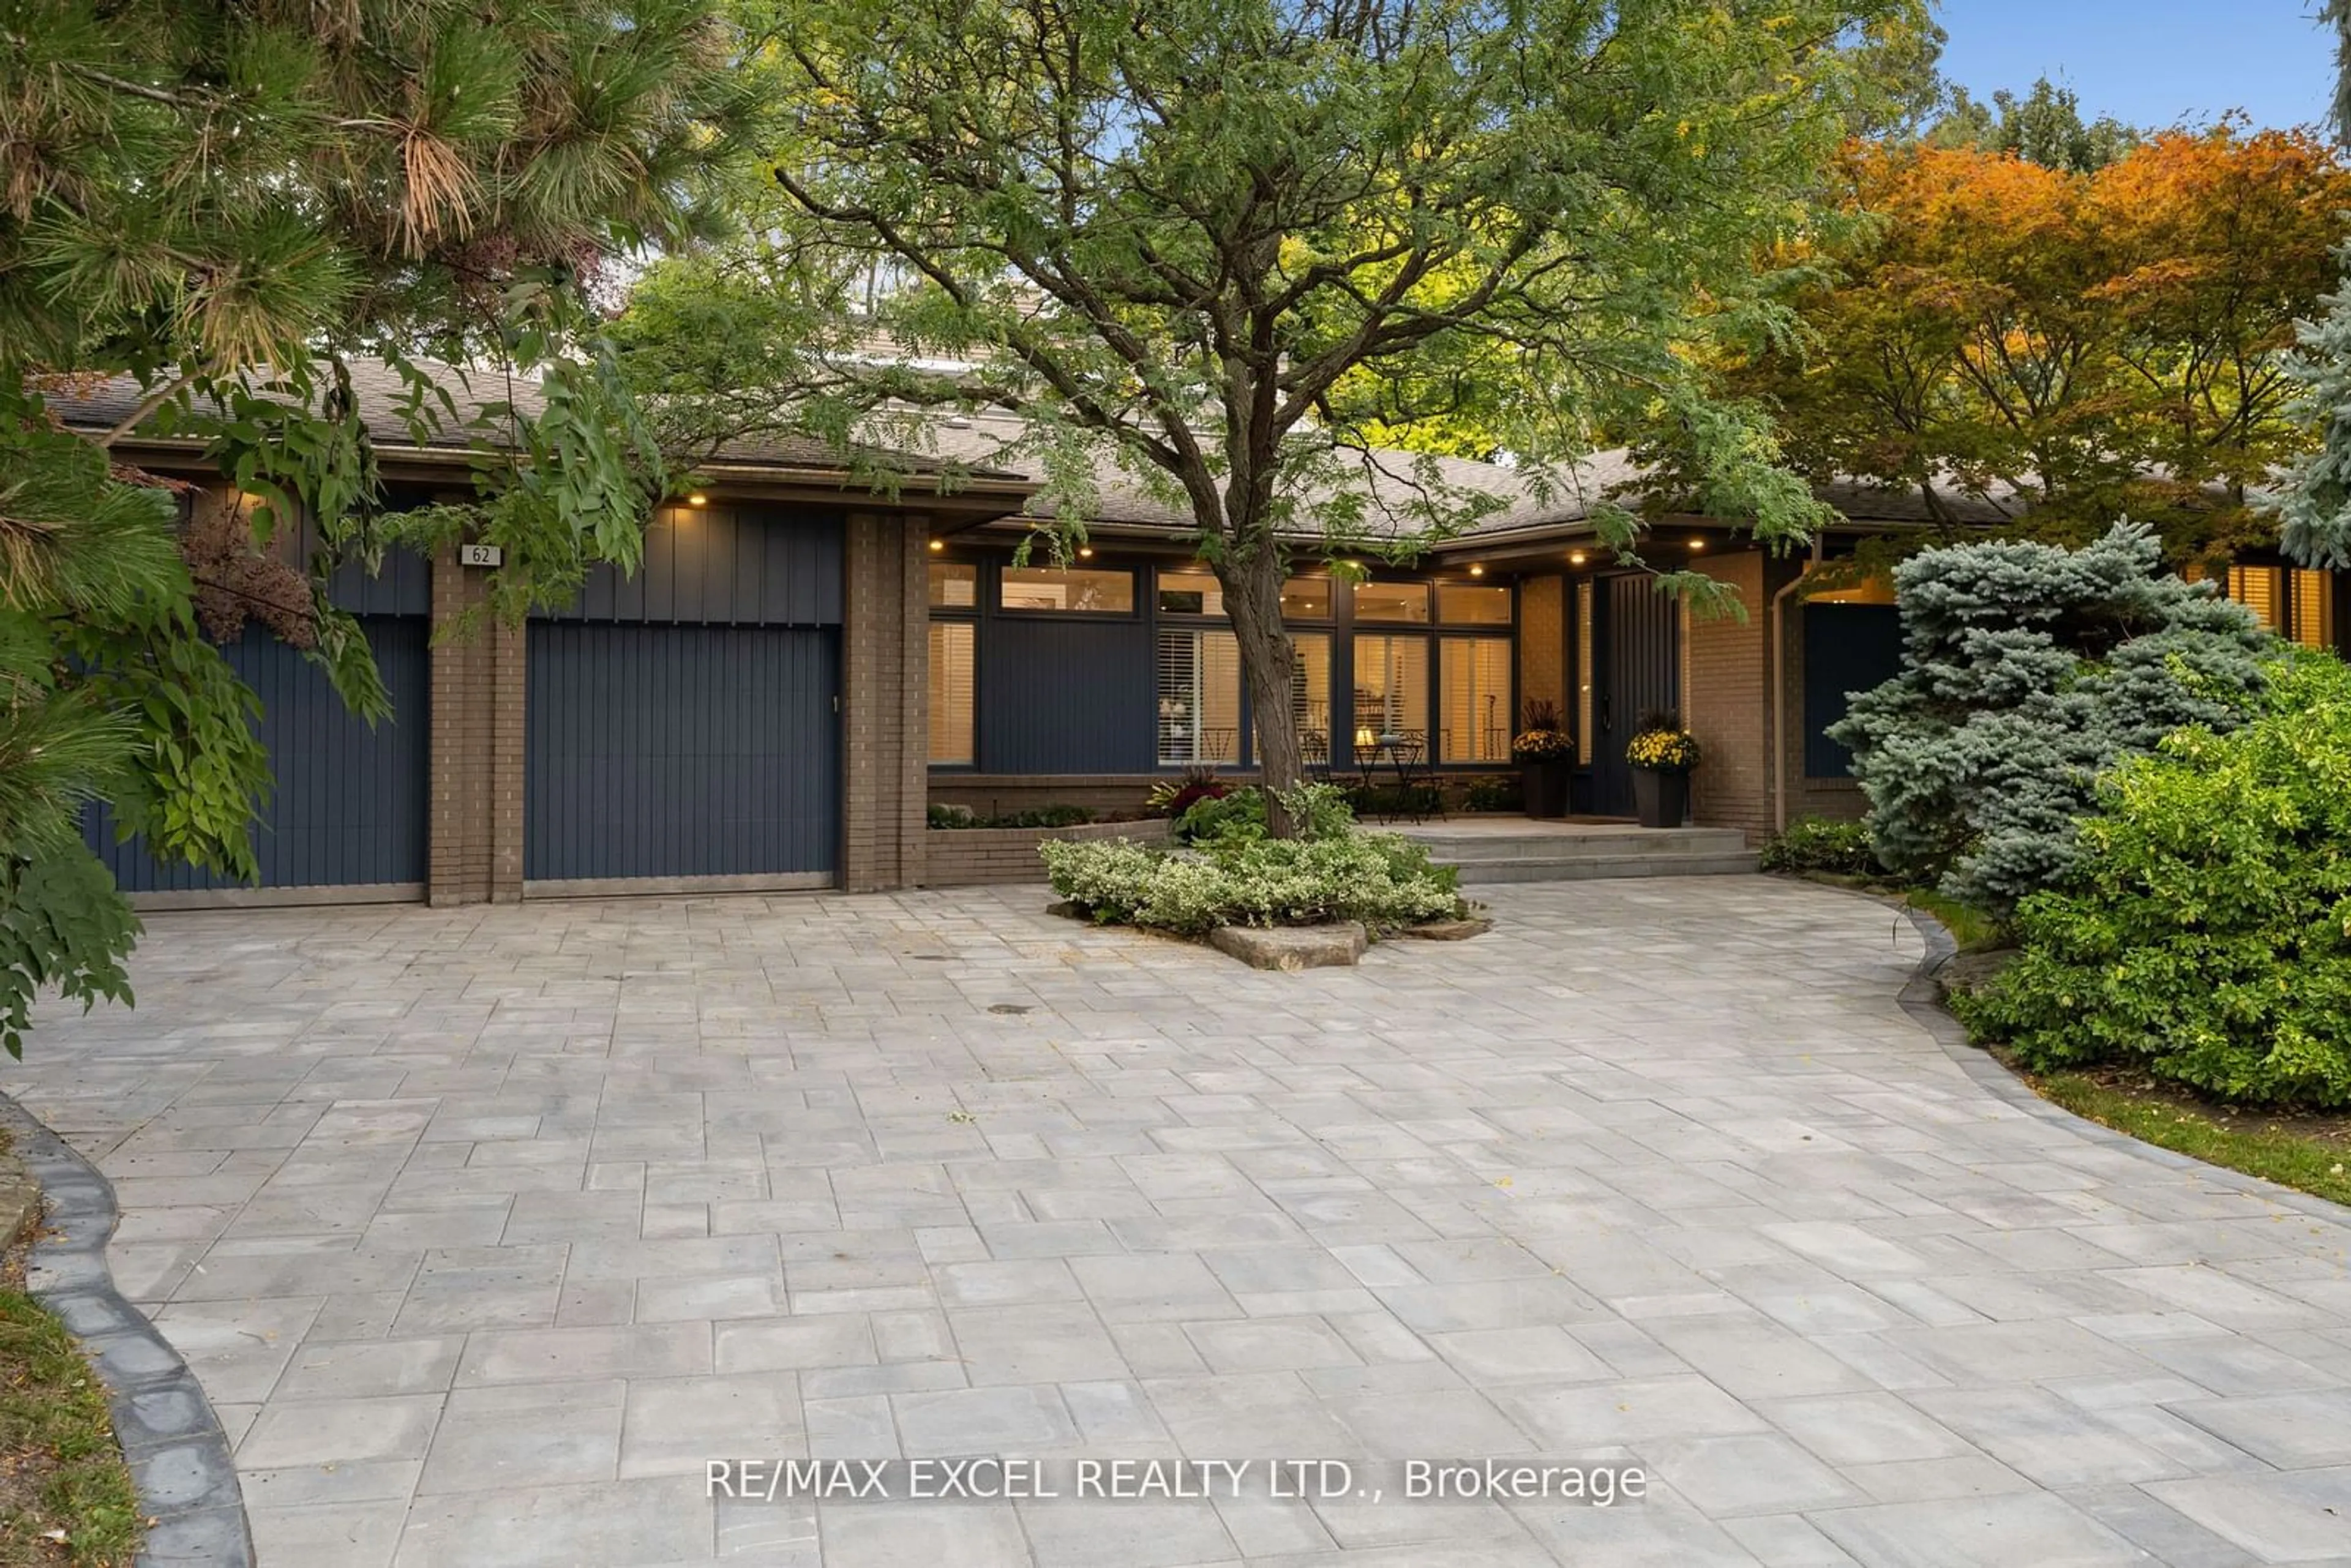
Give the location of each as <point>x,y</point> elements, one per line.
<point>2079,346</point>
<point>225,202</point>
<point>2044,126</point>
<point>1239,241</point>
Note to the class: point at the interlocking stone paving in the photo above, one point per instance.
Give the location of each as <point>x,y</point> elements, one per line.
<point>486,1227</point>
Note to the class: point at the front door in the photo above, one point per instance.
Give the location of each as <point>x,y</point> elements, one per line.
<point>1636,649</point>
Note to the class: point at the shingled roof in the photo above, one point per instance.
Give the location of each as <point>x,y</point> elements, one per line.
<point>476,390</point>
<point>1562,502</point>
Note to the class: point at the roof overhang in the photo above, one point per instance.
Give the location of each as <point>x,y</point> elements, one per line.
<point>973,501</point>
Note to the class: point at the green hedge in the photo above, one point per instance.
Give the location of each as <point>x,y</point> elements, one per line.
<point>2207,935</point>
<point>1818,843</point>
<point>1234,875</point>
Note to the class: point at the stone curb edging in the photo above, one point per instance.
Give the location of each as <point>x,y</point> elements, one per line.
<point>1922,999</point>
<point>178,1454</point>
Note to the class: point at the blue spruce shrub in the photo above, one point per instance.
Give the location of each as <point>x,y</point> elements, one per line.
<point>2027,670</point>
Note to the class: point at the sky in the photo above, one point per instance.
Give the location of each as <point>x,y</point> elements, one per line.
<point>2149,62</point>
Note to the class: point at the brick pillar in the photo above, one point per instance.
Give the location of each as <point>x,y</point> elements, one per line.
<point>475,837</point>
<point>1722,702</point>
<point>885,697</point>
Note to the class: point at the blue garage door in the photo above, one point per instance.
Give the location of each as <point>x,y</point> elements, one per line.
<point>667,751</point>
<point>682,722</point>
<point>348,806</point>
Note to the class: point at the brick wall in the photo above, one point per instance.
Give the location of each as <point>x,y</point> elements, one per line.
<point>474,842</point>
<point>1002,794</point>
<point>1722,702</point>
<point>1543,643</point>
<point>969,857</point>
<point>885,702</point>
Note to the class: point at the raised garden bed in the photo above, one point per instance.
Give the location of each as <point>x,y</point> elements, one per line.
<point>980,857</point>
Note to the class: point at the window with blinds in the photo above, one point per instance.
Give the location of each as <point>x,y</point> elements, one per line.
<point>953,643</point>
<point>1473,676</point>
<point>1081,591</point>
<point>2260,590</point>
<point>1199,696</point>
<point>1391,689</point>
<point>2314,608</point>
<point>1310,698</point>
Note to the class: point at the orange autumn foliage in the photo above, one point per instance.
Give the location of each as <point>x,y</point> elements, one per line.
<point>2077,346</point>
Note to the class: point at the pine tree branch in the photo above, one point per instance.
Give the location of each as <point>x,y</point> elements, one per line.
<point>147,406</point>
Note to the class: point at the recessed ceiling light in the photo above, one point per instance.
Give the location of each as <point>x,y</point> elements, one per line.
<point>1576,558</point>
<point>698,499</point>
<point>938,544</point>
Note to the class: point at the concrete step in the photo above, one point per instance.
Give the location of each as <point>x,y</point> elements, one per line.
<point>1466,848</point>
<point>1584,868</point>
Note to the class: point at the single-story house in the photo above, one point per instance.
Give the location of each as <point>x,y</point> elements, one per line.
<point>803,666</point>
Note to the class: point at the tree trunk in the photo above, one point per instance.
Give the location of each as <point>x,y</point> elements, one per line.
<point>1252,585</point>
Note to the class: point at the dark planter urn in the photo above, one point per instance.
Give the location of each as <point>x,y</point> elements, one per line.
<point>1543,785</point>
<point>1662,799</point>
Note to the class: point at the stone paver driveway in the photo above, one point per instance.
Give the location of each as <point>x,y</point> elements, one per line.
<point>486,1227</point>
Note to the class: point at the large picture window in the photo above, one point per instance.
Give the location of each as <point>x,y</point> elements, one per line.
<point>1191,593</point>
<point>1199,696</point>
<point>1474,699</point>
<point>953,643</point>
<point>1306,599</point>
<point>1472,604</point>
<point>1391,689</point>
<point>955,585</point>
<point>1086,591</point>
<point>1393,601</point>
<point>1310,698</point>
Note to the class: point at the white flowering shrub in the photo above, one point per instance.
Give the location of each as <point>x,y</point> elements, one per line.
<point>1380,879</point>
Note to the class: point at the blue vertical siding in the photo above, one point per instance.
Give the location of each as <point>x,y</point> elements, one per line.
<point>739,566</point>
<point>348,807</point>
<point>680,721</point>
<point>1066,695</point>
<point>1848,648</point>
<point>680,751</point>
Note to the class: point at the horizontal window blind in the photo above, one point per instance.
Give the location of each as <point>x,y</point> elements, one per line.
<point>952,698</point>
<point>1199,696</point>
<point>1474,711</point>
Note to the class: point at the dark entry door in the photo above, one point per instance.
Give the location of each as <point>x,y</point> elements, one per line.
<point>1636,646</point>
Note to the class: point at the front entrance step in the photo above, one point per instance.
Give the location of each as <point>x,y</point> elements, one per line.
<point>1491,854</point>
<point>1582,868</point>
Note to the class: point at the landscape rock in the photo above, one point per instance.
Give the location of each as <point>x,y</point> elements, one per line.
<point>1292,946</point>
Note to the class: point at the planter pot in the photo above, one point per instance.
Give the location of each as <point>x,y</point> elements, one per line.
<point>1543,787</point>
<point>1662,799</point>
